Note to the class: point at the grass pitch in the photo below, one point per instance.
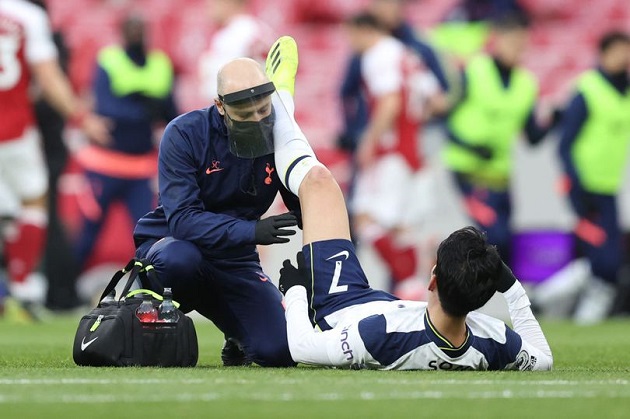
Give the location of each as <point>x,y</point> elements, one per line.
<point>39,379</point>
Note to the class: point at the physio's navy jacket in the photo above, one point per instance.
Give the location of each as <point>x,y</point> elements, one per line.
<point>207,195</point>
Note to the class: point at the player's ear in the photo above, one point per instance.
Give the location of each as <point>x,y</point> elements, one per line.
<point>432,286</point>
<point>219,106</point>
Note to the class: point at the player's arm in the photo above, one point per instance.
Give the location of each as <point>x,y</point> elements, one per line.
<point>41,55</point>
<point>573,119</point>
<point>383,77</point>
<point>58,92</point>
<point>55,86</point>
<point>524,323</point>
<point>305,344</point>
<point>386,111</point>
<point>536,132</point>
<point>437,101</point>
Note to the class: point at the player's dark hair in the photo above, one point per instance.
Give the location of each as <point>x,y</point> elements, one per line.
<point>365,20</point>
<point>611,38</point>
<point>510,21</point>
<point>467,271</point>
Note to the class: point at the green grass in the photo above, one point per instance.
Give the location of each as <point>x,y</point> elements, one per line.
<point>39,379</point>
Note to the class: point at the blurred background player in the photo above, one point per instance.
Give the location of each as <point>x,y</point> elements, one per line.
<point>594,152</point>
<point>239,34</point>
<point>133,88</point>
<point>498,102</point>
<point>59,266</point>
<point>29,56</point>
<point>391,15</point>
<point>400,93</point>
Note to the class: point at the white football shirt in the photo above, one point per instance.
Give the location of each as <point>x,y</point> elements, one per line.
<point>399,335</point>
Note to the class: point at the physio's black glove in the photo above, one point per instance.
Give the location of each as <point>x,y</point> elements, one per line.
<point>273,229</point>
<point>482,151</point>
<point>506,278</point>
<point>291,276</point>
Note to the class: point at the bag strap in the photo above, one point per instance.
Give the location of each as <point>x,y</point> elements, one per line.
<point>133,268</point>
<point>148,275</point>
<point>145,274</point>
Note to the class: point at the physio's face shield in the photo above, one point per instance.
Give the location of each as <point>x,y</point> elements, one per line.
<point>250,116</point>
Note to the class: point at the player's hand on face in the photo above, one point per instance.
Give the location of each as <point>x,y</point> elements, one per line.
<point>506,278</point>
<point>291,276</point>
<point>274,229</point>
<point>97,128</point>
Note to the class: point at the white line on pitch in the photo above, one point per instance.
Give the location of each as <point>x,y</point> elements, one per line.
<point>424,379</point>
<point>289,396</point>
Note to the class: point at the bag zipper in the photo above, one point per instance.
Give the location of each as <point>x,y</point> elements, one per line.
<point>97,323</point>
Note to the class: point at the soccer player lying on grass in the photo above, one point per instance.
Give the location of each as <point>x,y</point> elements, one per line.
<point>360,327</point>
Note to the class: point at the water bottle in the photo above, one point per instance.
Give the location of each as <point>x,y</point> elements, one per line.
<point>145,312</point>
<point>167,313</point>
<point>109,298</point>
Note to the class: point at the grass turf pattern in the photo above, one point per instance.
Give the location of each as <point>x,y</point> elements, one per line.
<point>38,378</point>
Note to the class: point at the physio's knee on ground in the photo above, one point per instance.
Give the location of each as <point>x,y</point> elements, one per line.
<point>177,264</point>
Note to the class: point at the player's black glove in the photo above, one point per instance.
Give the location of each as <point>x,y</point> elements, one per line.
<point>291,276</point>
<point>273,229</point>
<point>506,278</point>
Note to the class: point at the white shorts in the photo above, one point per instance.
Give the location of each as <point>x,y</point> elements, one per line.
<point>393,194</point>
<point>23,172</point>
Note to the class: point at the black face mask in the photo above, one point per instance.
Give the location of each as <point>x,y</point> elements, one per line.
<point>251,139</point>
<point>136,50</point>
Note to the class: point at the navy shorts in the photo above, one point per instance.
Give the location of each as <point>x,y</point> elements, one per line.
<point>338,281</point>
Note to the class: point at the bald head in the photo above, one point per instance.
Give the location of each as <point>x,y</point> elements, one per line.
<point>240,74</point>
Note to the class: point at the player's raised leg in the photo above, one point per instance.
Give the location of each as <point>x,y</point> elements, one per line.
<point>324,213</point>
<point>293,154</point>
<point>334,277</point>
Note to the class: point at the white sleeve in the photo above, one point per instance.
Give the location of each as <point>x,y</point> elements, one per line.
<point>382,70</point>
<point>305,344</point>
<point>39,43</point>
<point>535,352</point>
<point>234,41</point>
<point>425,84</point>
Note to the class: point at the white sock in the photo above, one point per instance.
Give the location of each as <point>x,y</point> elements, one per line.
<point>293,154</point>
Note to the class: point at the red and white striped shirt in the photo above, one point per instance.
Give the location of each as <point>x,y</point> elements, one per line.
<point>389,67</point>
<point>25,39</point>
